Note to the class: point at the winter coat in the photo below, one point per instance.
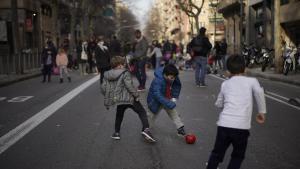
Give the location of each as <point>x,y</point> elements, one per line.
<point>117,88</point>
<point>201,46</point>
<point>156,96</point>
<point>140,49</point>
<point>48,52</point>
<point>102,57</point>
<point>62,59</point>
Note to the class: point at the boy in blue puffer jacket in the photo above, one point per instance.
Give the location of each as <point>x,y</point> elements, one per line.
<point>164,90</point>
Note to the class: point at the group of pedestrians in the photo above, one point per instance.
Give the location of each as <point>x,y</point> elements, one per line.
<point>234,98</point>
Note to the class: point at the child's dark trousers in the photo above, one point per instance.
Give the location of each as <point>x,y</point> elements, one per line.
<point>138,108</point>
<point>225,137</point>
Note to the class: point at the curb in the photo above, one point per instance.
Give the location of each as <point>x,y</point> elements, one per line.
<point>25,77</point>
<point>294,82</point>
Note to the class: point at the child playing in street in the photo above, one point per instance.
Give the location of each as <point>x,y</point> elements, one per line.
<point>164,90</point>
<point>118,88</point>
<point>234,121</point>
<point>62,62</point>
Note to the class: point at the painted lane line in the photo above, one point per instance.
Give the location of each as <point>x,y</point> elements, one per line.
<point>283,102</point>
<point>20,131</point>
<point>269,95</point>
<point>277,95</point>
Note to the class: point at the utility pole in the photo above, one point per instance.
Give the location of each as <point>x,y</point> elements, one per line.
<point>16,37</point>
<point>277,40</point>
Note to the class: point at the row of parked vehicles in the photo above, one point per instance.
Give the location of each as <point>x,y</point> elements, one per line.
<point>264,57</point>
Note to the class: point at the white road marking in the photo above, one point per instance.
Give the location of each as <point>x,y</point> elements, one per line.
<point>268,95</point>
<point>20,99</point>
<point>277,95</point>
<point>20,131</point>
<point>283,102</point>
<point>2,98</point>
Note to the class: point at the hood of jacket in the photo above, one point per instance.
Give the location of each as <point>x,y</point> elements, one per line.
<point>113,74</point>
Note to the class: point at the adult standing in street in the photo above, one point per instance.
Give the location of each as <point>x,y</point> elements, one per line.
<point>200,46</point>
<point>48,60</point>
<point>115,47</point>
<point>102,58</point>
<point>158,54</point>
<point>83,57</point>
<point>140,53</point>
<point>223,53</point>
<point>92,44</point>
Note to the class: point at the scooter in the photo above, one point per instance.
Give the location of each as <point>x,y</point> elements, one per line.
<point>289,63</point>
<point>266,58</point>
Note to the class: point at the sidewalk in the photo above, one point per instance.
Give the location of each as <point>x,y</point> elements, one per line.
<point>12,78</point>
<point>291,78</point>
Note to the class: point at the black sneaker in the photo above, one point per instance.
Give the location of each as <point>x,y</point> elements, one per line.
<point>181,132</point>
<point>147,135</point>
<point>116,136</point>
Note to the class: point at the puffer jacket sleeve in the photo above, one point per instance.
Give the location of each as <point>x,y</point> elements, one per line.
<point>129,85</point>
<point>160,97</point>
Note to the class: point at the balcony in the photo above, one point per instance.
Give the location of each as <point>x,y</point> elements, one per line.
<point>290,12</point>
<point>228,5</point>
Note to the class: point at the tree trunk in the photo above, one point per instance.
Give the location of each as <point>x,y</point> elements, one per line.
<point>196,18</point>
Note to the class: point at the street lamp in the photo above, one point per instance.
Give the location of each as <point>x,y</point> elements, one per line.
<point>214,4</point>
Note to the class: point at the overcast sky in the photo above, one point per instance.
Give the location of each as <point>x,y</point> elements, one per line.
<point>140,8</point>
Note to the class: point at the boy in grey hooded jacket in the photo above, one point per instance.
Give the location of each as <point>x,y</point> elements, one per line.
<point>118,89</point>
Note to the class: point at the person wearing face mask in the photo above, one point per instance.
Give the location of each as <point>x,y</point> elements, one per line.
<point>102,58</point>
<point>163,93</point>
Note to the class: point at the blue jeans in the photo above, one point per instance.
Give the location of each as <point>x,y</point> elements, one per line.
<point>200,70</point>
<point>141,73</point>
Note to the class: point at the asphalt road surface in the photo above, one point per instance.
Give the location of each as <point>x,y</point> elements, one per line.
<point>66,126</point>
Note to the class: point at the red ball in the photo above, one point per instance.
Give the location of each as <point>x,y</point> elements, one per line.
<point>190,139</point>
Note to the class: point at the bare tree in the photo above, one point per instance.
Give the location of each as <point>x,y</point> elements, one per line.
<point>127,24</point>
<point>190,8</point>
<point>153,26</point>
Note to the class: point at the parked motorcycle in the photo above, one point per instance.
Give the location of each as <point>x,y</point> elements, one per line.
<point>289,55</point>
<point>246,53</point>
<point>267,58</point>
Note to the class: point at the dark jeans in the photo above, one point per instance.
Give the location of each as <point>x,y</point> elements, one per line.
<point>138,108</point>
<point>225,137</point>
<point>141,73</point>
<point>47,70</point>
